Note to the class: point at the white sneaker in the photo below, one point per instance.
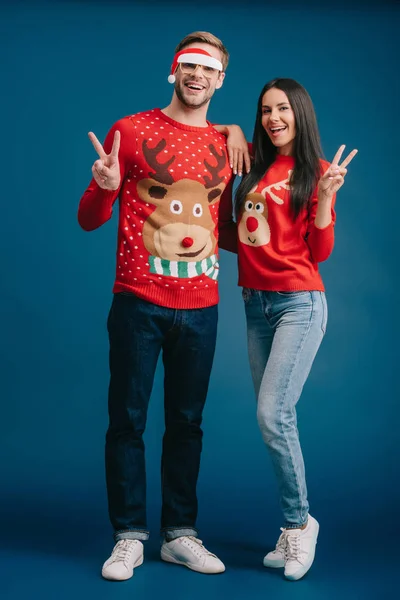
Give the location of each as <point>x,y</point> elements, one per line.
<point>276,558</point>
<point>300,549</point>
<point>126,555</point>
<point>189,551</point>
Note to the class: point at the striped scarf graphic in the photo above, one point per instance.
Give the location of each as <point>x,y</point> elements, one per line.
<point>184,270</point>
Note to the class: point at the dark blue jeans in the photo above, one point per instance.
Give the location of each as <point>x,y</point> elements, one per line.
<point>138,331</point>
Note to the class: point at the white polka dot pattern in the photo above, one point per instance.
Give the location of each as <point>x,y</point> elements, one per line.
<point>147,234</point>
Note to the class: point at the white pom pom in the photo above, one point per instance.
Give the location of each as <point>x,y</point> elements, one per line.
<point>171,78</point>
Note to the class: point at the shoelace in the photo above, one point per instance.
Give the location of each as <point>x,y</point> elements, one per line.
<point>199,548</point>
<point>292,549</point>
<point>281,543</point>
<point>123,550</point>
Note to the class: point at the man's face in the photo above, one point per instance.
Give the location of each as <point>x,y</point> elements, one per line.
<point>195,89</point>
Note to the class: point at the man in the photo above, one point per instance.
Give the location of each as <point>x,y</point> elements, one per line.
<point>169,169</point>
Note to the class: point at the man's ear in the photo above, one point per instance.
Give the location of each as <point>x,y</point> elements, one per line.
<point>220,80</point>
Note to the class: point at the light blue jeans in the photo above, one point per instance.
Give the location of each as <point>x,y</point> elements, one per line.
<point>284,332</point>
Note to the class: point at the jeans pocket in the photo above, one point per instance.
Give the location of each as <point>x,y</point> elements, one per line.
<point>246,294</point>
<point>292,294</point>
<point>109,318</point>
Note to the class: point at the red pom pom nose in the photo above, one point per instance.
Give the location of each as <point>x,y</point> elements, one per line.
<point>251,224</point>
<point>187,242</point>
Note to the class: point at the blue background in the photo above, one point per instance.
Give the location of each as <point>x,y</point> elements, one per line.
<point>71,67</point>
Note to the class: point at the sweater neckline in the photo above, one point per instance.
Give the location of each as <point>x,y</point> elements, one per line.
<point>283,159</point>
<point>182,126</point>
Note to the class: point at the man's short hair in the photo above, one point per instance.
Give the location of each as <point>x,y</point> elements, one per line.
<point>206,38</point>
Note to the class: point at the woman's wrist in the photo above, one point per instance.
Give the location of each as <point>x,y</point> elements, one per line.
<point>224,129</point>
<point>325,199</point>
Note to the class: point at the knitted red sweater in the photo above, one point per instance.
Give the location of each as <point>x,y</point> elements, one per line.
<point>275,253</point>
<point>172,179</point>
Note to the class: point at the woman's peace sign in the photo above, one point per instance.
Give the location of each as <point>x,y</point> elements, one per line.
<point>333,178</point>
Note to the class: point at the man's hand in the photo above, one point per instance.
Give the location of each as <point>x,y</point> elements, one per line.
<point>105,170</point>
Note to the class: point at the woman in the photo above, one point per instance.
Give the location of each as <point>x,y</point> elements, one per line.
<point>285,227</point>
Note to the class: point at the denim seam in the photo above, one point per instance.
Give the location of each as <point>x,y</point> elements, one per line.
<point>184,318</point>
<point>264,307</point>
<point>324,312</point>
<point>301,345</point>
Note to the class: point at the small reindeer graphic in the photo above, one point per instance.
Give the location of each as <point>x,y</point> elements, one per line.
<point>180,229</point>
<point>253,227</point>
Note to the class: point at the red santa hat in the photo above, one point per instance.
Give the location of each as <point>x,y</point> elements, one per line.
<point>196,56</point>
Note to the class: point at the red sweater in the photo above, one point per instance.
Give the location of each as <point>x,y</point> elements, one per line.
<point>172,179</point>
<point>275,253</point>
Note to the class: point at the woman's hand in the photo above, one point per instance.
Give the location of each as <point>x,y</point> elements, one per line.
<point>237,146</point>
<point>333,178</point>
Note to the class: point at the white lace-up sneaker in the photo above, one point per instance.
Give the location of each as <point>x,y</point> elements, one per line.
<point>300,549</point>
<point>276,558</point>
<point>189,551</point>
<point>126,555</point>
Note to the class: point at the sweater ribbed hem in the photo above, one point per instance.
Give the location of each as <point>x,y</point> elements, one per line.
<point>172,297</point>
<point>288,285</point>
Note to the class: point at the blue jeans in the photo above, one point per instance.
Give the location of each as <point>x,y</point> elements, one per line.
<point>284,331</point>
<point>138,332</point>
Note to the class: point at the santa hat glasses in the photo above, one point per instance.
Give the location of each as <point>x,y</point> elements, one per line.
<point>193,56</point>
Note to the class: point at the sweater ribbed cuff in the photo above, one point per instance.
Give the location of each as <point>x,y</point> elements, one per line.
<point>172,297</point>
<point>324,233</point>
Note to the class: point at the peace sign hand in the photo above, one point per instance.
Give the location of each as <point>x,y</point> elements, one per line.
<point>333,178</point>
<point>105,170</point>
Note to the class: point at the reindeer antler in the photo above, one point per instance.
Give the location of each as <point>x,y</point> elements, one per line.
<point>161,174</point>
<point>215,179</point>
<point>285,184</point>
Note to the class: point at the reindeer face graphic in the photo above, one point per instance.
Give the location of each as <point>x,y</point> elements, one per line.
<point>181,227</point>
<point>253,227</point>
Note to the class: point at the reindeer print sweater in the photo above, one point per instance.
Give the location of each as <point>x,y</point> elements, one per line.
<point>172,179</point>
<point>275,253</point>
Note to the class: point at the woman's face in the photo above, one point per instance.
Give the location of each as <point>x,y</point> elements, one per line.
<point>278,120</point>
